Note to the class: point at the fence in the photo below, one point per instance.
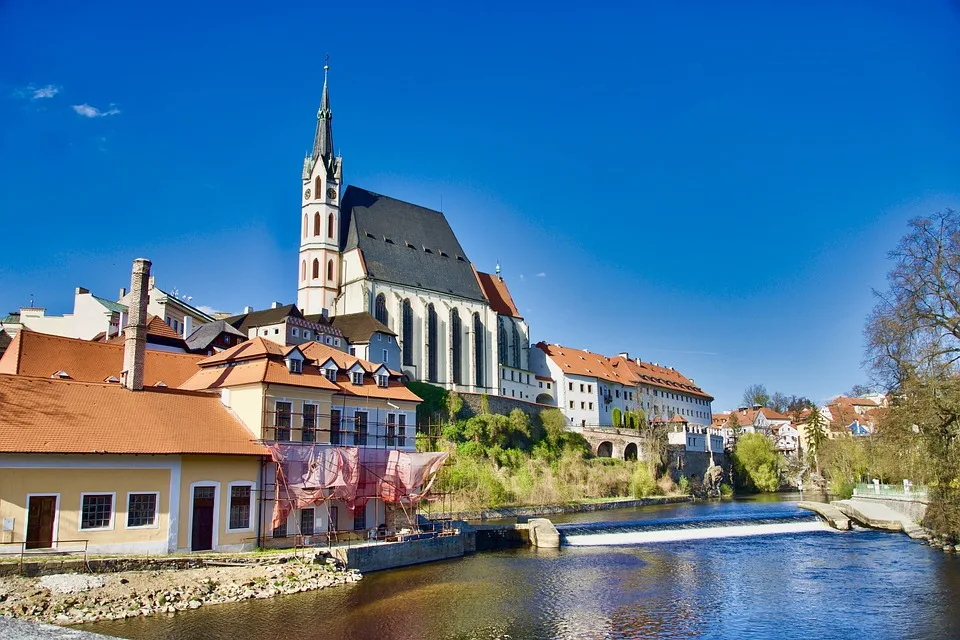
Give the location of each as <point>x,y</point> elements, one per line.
<point>905,490</point>
<point>61,548</point>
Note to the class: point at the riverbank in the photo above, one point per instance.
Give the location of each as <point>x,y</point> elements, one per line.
<point>505,513</point>
<point>67,599</point>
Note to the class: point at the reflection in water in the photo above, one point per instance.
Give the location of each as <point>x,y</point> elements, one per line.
<point>864,584</point>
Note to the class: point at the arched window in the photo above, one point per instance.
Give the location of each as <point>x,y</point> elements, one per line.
<point>478,349</point>
<point>316,223</point>
<point>303,269</point>
<point>501,342</point>
<point>305,225</point>
<point>406,332</point>
<point>456,346</point>
<point>515,346</point>
<point>431,344</point>
<point>317,185</point>
<point>316,268</point>
<point>329,270</point>
<point>330,226</point>
<point>380,308</point>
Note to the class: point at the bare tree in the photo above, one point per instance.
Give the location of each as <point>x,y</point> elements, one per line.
<point>779,402</point>
<point>756,394</point>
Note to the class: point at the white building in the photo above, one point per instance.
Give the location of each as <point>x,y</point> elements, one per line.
<point>362,252</point>
<point>91,316</point>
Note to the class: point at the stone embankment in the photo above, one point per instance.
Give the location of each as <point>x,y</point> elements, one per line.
<point>504,513</point>
<point>75,598</point>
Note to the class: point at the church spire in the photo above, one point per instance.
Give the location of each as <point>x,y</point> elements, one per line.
<point>323,139</point>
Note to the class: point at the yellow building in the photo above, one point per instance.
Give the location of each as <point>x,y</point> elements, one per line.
<point>149,471</point>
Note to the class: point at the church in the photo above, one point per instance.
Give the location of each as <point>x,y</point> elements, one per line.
<point>361,251</point>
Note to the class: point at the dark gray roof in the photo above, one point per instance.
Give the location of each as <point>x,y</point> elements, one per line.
<point>358,327</point>
<point>244,321</point>
<point>5,341</point>
<point>406,244</point>
<point>204,335</point>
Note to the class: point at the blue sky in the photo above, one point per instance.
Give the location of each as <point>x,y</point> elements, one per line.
<point>711,186</point>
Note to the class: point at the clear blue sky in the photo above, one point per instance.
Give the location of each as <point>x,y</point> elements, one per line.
<point>712,186</point>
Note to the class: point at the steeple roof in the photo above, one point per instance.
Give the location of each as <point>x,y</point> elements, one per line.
<point>323,138</point>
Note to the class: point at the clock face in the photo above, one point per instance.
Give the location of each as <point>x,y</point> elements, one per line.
<point>306,194</point>
<point>332,193</point>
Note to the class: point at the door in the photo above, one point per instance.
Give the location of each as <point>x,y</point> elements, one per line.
<point>202,539</point>
<point>41,513</point>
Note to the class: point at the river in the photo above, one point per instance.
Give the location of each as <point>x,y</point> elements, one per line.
<point>814,582</point>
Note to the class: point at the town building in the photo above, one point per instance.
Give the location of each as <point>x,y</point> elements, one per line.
<point>363,252</point>
<point>286,325</point>
<point>369,339</point>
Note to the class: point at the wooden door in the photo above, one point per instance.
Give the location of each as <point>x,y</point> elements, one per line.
<point>202,539</point>
<point>41,513</point>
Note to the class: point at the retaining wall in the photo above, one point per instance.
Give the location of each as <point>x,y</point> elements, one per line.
<point>376,557</point>
<point>499,404</point>
<point>913,507</point>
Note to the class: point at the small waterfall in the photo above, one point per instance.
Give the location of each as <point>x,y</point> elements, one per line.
<point>672,530</point>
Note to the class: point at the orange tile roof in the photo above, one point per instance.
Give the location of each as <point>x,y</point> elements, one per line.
<point>749,416</point>
<point>42,355</point>
<point>584,363</point>
<point>61,416</point>
<point>664,377</point>
<point>155,327</point>
<point>496,292</point>
<point>679,419</point>
<point>843,411</point>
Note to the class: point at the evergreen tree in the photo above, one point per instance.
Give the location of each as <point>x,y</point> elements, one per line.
<point>816,435</point>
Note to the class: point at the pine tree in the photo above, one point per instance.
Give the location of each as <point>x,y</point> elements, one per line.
<point>816,435</point>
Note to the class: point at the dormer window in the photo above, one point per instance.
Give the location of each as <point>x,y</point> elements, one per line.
<point>383,381</point>
<point>295,365</point>
<point>63,375</point>
<point>356,377</point>
<point>331,374</point>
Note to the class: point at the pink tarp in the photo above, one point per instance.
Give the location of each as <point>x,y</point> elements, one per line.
<point>309,475</point>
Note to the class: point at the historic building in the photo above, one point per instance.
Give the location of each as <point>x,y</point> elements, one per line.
<point>363,252</point>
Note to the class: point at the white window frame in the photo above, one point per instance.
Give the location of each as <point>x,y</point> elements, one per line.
<point>336,342</point>
<point>253,504</point>
<point>156,511</point>
<point>386,356</point>
<point>294,332</point>
<point>353,378</point>
<point>113,510</point>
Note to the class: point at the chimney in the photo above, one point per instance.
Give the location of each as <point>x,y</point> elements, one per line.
<point>248,309</point>
<point>123,292</point>
<point>624,355</point>
<point>274,305</point>
<point>80,290</point>
<point>135,333</point>
<point>187,326</point>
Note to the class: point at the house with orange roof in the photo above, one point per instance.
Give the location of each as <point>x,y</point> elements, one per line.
<point>93,459</point>
<point>318,397</point>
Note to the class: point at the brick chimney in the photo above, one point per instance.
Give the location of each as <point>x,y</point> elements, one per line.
<point>135,333</point>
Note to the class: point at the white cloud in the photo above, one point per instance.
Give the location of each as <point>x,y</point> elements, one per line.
<point>207,309</point>
<point>45,92</point>
<point>542,274</point>
<point>521,277</point>
<point>88,111</point>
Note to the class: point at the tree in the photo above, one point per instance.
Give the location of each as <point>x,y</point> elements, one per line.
<point>756,463</point>
<point>734,423</point>
<point>454,404</point>
<point>858,391</point>
<point>779,402</point>
<point>816,435</point>
<point>756,394</point>
<point>797,405</point>
<point>615,414</point>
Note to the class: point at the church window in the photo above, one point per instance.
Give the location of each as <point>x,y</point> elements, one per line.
<point>407,331</point>
<point>316,268</point>
<point>456,338</point>
<point>329,270</point>
<point>303,269</point>
<point>305,225</point>
<point>515,347</point>
<point>316,223</point>
<point>380,310</point>
<point>432,359</point>
<point>317,190</point>
<point>478,349</point>
<point>330,226</point>
<point>501,341</point>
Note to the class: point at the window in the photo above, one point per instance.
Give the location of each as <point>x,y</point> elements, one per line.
<point>516,346</point>
<point>281,420</point>
<point>353,351</point>
<point>266,331</point>
<point>316,268</point>
<point>589,388</point>
<point>330,223</point>
<point>305,226</point>
<point>581,388</point>
<point>141,510</point>
<point>240,507</point>
<point>548,385</point>
<point>391,429</point>
<point>541,384</point>
<point>512,393</point>
<point>402,429</point>
<point>276,332</point>
<point>432,346</point>
<point>295,365</point>
<point>331,374</point>
<point>336,342</point>
<point>571,386</point>
<point>618,393</point>
<point>379,337</point>
<point>317,190</point>
<point>380,310</point>
<point>307,520</point>
<point>501,341</point>
<point>456,346</point>
<point>571,404</point>
<point>591,406</point>
<point>316,224</point>
<point>511,375</point>
<point>360,518</point>
<point>96,511</point>
<point>383,381</point>
<point>386,356</point>
<point>309,423</point>
<point>303,269</point>
<point>293,332</point>
<point>306,334</point>
<point>406,331</point>
<point>334,426</point>
<point>583,405</point>
<point>281,531</point>
<point>329,270</point>
<point>360,437</point>
<point>503,374</point>
<point>356,377</point>
<point>478,349</point>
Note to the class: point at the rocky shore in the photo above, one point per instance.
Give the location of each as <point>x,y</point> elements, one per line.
<point>66,599</point>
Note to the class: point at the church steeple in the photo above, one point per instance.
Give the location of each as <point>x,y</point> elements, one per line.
<point>323,139</point>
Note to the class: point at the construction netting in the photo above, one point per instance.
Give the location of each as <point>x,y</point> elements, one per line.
<point>309,475</point>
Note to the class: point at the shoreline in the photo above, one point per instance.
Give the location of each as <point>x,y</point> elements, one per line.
<point>74,598</point>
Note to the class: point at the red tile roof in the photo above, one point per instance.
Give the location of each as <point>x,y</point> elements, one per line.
<point>42,355</point>
<point>583,363</point>
<point>663,377</point>
<point>61,416</point>
<point>496,292</point>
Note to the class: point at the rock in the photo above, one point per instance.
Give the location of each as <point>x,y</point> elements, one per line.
<point>195,604</point>
<point>948,548</point>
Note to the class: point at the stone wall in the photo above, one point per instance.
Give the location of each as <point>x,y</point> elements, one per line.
<point>913,507</point>
<point>499,404</point>
<point>693,464</point>
<point>376,557</point>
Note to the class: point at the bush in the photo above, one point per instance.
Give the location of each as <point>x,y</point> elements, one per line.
<point>642,482</point>
<point>756,463</point>
<point>842,488</point>
<point>726,491</point>
<point>615,416</point>
<point>684,485</point>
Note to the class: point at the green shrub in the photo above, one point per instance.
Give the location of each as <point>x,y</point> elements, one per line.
<point>642,482</point>
<point>615,415</point>
<point>756,463</point>
<point>842,488</point>
<point>684,485</point>
<point>726,491</point>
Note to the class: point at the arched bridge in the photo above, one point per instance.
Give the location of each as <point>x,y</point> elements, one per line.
<point>624,444</point>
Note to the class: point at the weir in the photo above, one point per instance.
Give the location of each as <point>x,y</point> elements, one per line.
<point>673,529</point>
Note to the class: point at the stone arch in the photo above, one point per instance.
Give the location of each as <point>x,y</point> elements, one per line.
<point>544,398</point>
<point>630,452</point>
<point>605,449</point>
